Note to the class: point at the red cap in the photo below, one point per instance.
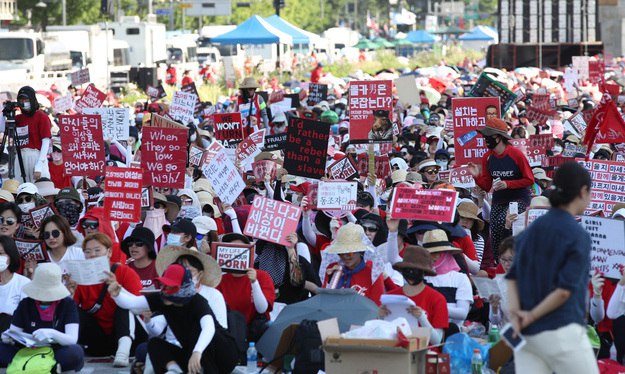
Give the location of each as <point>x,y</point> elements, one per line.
<point>173,276</point>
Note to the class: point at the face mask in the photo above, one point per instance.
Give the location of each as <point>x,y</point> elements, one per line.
<point>26,106</point>
<point>70,211</point>
<point>442,164</point>
<point>25,208</point>
<point>174,239</point>
<point>468,231</point>
<point>491,142</point>
<point>57,156</point>
<point>189,212</point>
<point>193,137</point>
<point>4,262</point>
<point>206,142</point>
<point>557,150</point>
<point>412,276</point>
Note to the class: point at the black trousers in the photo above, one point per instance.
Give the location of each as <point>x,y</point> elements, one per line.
<point>162,352</point>
<point>98,343</point>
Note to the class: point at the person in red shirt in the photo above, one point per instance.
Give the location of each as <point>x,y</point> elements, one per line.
<point>57,168</point>
<point>139,247</point>
<point>34,131</point>
<point>106,329</point>
<point>186,78</point>
<point>431,306</point>
<point>170,75</point>
<point>317,73</point>
<point>352,271</point>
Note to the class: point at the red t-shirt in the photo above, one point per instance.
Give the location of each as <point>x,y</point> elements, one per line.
<point>30,130</point>
<point>605,325</point>
<point>432,302</point>
<point>361,282</point>
<point>186,80</point>
<point>58,177</point>
<point>86,296</point>
<point>237,292</point>
<point>147,275</point>
<point>467,246</point>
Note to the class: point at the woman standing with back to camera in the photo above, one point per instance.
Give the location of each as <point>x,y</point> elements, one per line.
<point>547,283</point>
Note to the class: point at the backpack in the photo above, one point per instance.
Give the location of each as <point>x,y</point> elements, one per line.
<point>33,361</point>
<point>309,357</point>
<point>238,329</point>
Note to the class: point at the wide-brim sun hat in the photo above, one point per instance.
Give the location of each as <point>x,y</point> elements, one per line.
<point>468,209</point>
<point>168,255</point>
<point>540,174</point>
<point>204,224</point>
<point>437,241</point>
<point>349,239</point>
<point>7,196</point>
<point>249,82</point>
<point>47,284</point>
<point>495,126</point>
<point>11,185</point>
<point>416,258</point>
<point>428,162</point>
<point>172,208</point>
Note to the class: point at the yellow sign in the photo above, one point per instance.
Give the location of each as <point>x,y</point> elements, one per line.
<point>185,6</point>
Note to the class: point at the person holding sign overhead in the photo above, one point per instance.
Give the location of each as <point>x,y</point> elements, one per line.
<point>252,107</point>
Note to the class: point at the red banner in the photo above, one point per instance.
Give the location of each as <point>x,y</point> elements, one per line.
<point>228,129</point>
<point>596,72</point>
<point>164,156</point>
<point>262,169</point>
<point>272,220</point>
<point>424,205</point>
<point>122,193</point>
<point>382,166</point>
<point>83,150</point>
<point>91,98</point>
<point>365,99</point>
<point>469,114</point>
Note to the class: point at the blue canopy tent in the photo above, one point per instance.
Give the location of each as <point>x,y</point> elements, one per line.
<point>254,30</point>
<point>298,35</point>
<point>420,36</point>
<point>477,33</point>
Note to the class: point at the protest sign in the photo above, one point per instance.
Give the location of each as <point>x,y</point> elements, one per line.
<point>337,195</point>
<point>576,124</point>
<point>264,168</point>
<point>608,184</point>
<point>580,63</point>
<point>488,87</point>
<point>182,106</point>
<point>91,98</point>
<point>31,250</point>
<point>571,149</point>
<point>146,197</point>
<point>87,272</point>
<point>223,175</point>
<point>63,103</point>
<point>156,93</point>
<point>228,129</point>
<point>122,193</point>
<point>596,72</point>
<point>190,88</point>
<point>532,213</point>
<point>370,108</point>
<point>164,122</point>
<point>80,77</point>
<point>469,114</point>
<point>317,93</point>
<point>115,122</point>
<point>461,177</point>
<point>81,139</point>
<point>381,165</point>
<point>275,142</point>
<point>164,157</point>
<point>345,168</point>
<point>250,147</point>
<point>407,92</point>
<point>607,237</point>
<point>196,155</point>
<point>233,257</point>
<point>272,220</point>
<point>293,99</point>
<point>424,205</point>
<point>40,213</point>
<point>306,148</point>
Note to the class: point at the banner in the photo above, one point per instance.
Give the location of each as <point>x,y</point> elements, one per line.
<point>272,220</point>
<point>63,103</point>
<point>461,177</point>
<point>164,157</point>
<point>344,168</point>
<point>596,72</point>
<point>83,150</point>
<point>91,98</point>
<point>182,106</point>
<point>233,257</point>
<point>264,168</point>
<point>228,129</point>
<point>165,123</point>
<point>608,184</point>
<point>122,193</point>
<point>275,142</point>
<point>223,175</point>
<point>40,213</point>
<point>424,205</point>
<point>317,93</point>
<point>190,88</point>
<point>80,77</point>
<point>469,114</point>
<point>488,87</point>
<point>370,110</point>
<point>31,250</point>
<point>115,122</point>
<point>306,148</point>
<point>607,237</point>
<point>337,195</point>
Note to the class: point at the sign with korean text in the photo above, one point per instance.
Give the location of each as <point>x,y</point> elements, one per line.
<point>608,184</point>
<point>164,122</point>
<point>370,109</point>
<point>31,250</point>
<point>250,147</point>
<point>115,122</point>
<point>272,220</point>
<point>122,193</point>
<point>83,150</point>
<point>381,165</point>
<point>461,177</point>
<point>40,213</point>
<point>228,129</point>
<point>488,87</point>
<point>580,63</point>
<point>91,98</point>
<point>344,168</point>
<point>233,257</point>
<point>190,88</point>
<point>424,205</point>
<point>596,72</point>
<point>264,169</point>
<point>607,237</point>
<point>164,156</point>
<point>196,154</point>
<point>576,124</point>
<point>182,106</point>
<point>80,77</point>
<point>224,176</point>
<point>306,148</point>
<point>317,93</point>
<point>337,195</point>
<point>470,114</point>
<point>275,142</point>
<point>63,103</point>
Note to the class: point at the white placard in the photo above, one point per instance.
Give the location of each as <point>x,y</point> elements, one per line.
<point>224,177</point>
<point>608,252</point>
<point>182,106</point>
<point>115,122</point>
<point>87,272</point>
<point>337,195</point>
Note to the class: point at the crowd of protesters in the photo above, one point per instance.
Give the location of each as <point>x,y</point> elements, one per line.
<point>167,304</point>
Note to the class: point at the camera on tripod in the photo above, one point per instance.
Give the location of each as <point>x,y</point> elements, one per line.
<point>9,112</point>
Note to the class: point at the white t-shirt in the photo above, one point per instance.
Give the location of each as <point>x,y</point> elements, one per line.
<point>11,293</point>
<point>72,253</point>
<point>453,286</point>
<point>217,303</point>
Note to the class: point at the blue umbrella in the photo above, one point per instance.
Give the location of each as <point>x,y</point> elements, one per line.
<point>345,304</point>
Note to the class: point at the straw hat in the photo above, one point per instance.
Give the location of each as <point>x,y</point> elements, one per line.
<point>47,284</point>
<point>414,178</point>
<point>416,258</point>
<point>495,126</point>
<point>436,241</point>
<point>169,254</point>
<point>172,208</point>
<point>349,238</point>
<point>7,196</point>
<point>398,176</point>
<point>539,201</point>
<point>428,162</point>
<point>11,186</point>
<point>249,82</point>
<point>468,209</point>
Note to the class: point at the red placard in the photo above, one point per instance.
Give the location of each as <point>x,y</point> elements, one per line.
<point>233,257</point>
<point>424,205</point>
<point>344,168</point>
<point>40,213</point>
<point>382,165</point>
<point>469,114</point>
<point>272,220</point>
<point>228,129</point>
<point>122,193</point>
<point>263,168</point>
<point>163,156</point>
<point>596,72</point>
<point>81,138</point>
<point>366,97</point>
<point>91,98</point>
<point>250,146</point>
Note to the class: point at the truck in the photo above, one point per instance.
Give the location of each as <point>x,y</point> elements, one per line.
<point>182,54</point>
<point>146,39</point>
<point>26,53</point>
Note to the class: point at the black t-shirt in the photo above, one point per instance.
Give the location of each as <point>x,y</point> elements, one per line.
<point>184,320</point>
<point>27,317</point>
<point>290,294</point>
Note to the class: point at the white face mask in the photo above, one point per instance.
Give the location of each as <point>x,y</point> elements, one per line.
<point>556,150</point>
<point>26,207</point>
<point>193,137</point>
<point>26,105</point>
<point>442,164</point>
<point>174,239</point>
<point>4,262</point>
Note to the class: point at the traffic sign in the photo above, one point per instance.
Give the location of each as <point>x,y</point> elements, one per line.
<point>162,11</point>
<point>185,6</point>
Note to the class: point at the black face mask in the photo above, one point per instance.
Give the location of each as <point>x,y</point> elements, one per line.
<point>412,276</point>
<point>491,142</point>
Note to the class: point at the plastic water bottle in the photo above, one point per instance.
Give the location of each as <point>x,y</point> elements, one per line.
<point>252,357</point>
<point>476,362</point>
<point>493,334</point>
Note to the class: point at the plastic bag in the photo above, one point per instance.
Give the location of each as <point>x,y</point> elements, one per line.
<point>460,349</point>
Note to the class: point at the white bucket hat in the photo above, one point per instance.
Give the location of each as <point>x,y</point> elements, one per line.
<point>204,224</point>
<point>349,239</point>
<point>47,284</point>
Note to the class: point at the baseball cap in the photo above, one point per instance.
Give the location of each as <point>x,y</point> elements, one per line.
<point>184,226</point>
<point>28,188</point>
<point>68,193</point>
<point>173,276</point>
<point>204,224</point>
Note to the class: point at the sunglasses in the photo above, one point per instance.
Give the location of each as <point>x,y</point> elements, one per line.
<point>54,233</point>
<point>431,171</point>
<point>8,221</point>
<point>136,243</point>
<point>370,228</point>
<point>90,225</point>
<point>404,153</point>
<point>24,199</point>
<point>159,206</point>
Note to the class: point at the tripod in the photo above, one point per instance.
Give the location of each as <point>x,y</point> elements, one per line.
<point>14,146</point>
